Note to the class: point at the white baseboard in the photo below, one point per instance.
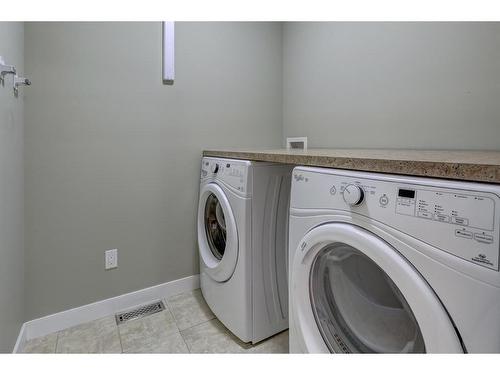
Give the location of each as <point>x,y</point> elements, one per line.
<point>83,314</point>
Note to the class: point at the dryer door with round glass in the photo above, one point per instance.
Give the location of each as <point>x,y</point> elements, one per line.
<point>217,234</point>
<point>354,293</point>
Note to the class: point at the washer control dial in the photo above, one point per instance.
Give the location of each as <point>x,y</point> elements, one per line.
<point>215,168</point>
<point>353,195</point>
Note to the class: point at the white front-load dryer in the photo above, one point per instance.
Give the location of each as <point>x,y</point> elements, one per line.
<point>392,264</point>
<point>242,239</point>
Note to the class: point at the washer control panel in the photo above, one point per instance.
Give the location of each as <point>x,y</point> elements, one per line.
<point>232,172</point>
<point>460,218</point>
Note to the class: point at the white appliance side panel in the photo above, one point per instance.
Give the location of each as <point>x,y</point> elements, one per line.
<point>270,209</point>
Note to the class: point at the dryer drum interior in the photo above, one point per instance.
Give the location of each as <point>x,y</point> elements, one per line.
<point>357,307</point>
<point>215,226</point>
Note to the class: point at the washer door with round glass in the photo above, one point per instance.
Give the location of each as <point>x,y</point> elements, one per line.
<point>217,234</point>
<point>354,293</point>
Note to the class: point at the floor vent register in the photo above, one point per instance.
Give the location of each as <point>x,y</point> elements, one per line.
<point>139,312</point>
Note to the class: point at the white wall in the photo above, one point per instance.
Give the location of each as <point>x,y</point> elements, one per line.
<point>11,191</point>
<point>112,154</point>
<point>392,85</point>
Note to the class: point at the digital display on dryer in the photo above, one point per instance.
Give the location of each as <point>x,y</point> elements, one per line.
<point>406,193</point>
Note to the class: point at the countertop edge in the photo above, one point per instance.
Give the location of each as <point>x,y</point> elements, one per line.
<point>436,169</point>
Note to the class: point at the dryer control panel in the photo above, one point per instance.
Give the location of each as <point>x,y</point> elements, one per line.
<point>460,218</point>
<point>231,172</point>
<point>453,207</point>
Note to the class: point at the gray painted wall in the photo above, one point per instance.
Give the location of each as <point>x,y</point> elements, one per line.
<point>11,191</point>
<point>393,85</point>
<point>112,154</point>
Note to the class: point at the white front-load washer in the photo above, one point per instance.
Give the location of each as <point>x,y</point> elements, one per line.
<point>242,240</point>
<point>392,264</point>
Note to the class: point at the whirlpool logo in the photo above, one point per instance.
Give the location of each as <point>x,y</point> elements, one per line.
<point>299,177</point>
<point>483,259</point>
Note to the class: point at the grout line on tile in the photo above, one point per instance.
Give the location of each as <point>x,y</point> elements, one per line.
<point>57,342</point>
<point>197,324</point>
<point>183,339</point>
<point>119,334</point>
<point>167,306</point>
<point>120,337</point>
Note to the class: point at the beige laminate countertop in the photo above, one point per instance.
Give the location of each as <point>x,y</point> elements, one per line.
<point>480,166</point>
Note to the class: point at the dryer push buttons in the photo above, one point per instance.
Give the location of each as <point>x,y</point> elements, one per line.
<point>441,217</point>
<point>463,233</point>
<point>484,238</point>
<point>425,214</point>
<point>384,200</point>
<point>459,220</point>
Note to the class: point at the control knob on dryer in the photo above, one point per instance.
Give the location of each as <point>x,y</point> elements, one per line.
<point>353,195</point>
<point>215,168</point>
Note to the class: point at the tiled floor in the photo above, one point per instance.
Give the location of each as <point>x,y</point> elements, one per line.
<point>186,326</point>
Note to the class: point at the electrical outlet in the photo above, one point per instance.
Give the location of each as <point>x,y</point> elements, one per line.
<point>111,259</point>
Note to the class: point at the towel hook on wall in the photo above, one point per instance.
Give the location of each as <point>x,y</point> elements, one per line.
<point>20,81</point>
<point>5,69</point>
